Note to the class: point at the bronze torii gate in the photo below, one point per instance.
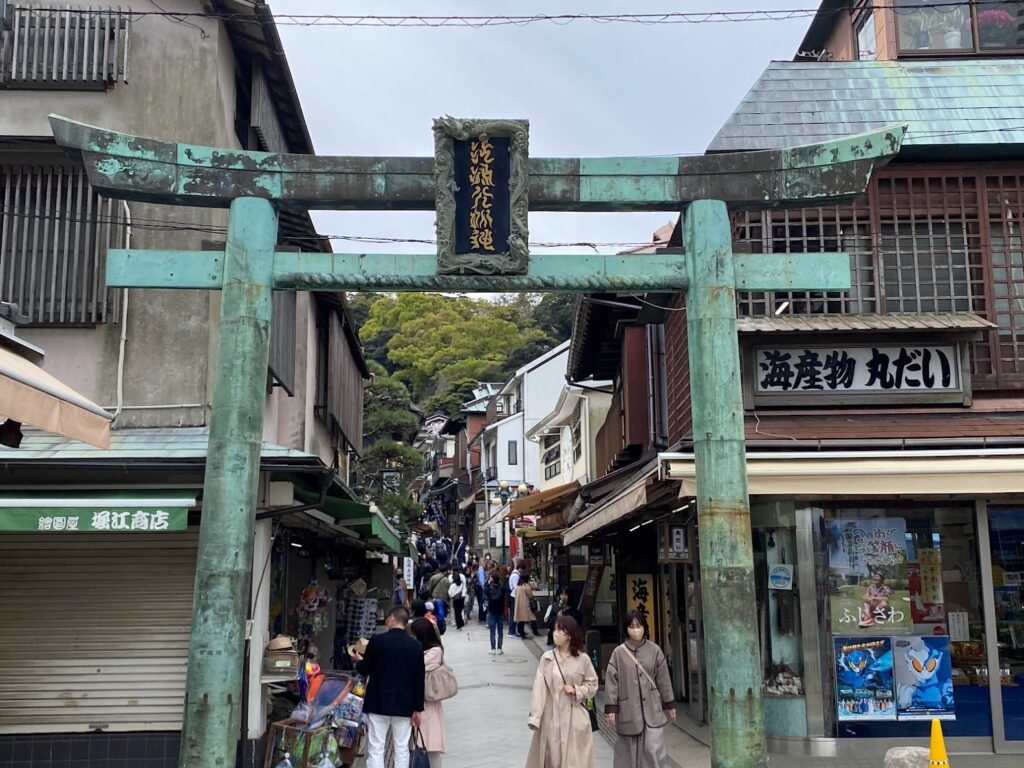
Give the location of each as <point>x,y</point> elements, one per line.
<point>253,185</point>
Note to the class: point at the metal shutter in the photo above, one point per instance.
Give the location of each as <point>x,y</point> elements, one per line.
<point>94,630</point>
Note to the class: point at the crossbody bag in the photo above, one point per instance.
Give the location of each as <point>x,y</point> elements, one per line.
<point>588,705</point>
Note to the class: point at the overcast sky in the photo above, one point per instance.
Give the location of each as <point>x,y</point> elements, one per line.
<point>588,90</point>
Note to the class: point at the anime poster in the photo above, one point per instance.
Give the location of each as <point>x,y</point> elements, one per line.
<point>864,685</point>
<point>868,580</point>
<point>924,678</point>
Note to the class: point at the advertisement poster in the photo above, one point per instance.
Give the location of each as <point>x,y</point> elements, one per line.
<point>924,678</point>
<point>868,580</point>
<point>864,685</point>
<point>927,610</point>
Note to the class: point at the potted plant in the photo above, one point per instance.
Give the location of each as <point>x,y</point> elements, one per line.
<point>951,25</point>
<point>997,27</point>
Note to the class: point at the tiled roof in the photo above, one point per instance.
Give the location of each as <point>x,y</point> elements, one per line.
<point>955,102</point>
<point>926,321</point>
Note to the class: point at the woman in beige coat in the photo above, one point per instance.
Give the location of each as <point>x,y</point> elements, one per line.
<point>524,614</point>
<point>561,726</point>
<point>639,700</point>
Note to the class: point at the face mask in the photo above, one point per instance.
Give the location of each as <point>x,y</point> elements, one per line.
<point>561,639</point>
<point>636,634</point>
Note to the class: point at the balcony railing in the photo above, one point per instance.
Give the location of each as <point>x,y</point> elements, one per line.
<point>75,48</point>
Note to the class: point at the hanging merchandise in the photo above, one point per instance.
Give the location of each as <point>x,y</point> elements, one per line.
<point>311,611</point>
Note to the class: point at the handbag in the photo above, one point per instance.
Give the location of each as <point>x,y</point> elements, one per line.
<point>588,705</point>
<point>440,684</point>
<point>418,757</point>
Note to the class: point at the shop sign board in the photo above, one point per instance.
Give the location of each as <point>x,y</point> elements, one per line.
<point>640,597</point>
<point>84,520</point>
<point>912,372</point>
<point>674,543</point>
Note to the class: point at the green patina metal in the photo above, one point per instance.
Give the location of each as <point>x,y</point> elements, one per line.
<point>217,641</point>
<point>143,169</point>
<point>148,170</point>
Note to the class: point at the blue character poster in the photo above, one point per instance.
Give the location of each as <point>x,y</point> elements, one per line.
<point>864,684</point>
<point>924,678</point>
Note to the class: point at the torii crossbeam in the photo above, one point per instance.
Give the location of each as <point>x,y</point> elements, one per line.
<point>254,185</point>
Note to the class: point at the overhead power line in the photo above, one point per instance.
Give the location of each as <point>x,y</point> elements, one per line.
<point>481,21</point>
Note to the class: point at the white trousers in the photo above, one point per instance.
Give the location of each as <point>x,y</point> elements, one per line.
<point>377,727</point>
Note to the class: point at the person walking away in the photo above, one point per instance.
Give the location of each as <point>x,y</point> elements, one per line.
<point>639,698</point>
<point>432,725</point>
<point>524,605</point>
<point>393,664</point>
<point>513,585</point>
<point>457,593</point>
<point>495,595</point>
<point>439,584</point>
<point>565,679</point>
<point>469,576</point>
<point>560,607</point>
<point>401,589</point>
<point>481,582</point>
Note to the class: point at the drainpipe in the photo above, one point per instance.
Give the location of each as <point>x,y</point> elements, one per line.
<point>124,316</point>
<point>652,422</point>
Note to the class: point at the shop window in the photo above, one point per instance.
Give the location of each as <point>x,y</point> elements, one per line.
<point>1006,537</point>
<point>903,631</point>
<point>778,604</point>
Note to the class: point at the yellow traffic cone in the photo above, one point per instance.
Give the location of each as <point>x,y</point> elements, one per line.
<point>937,749</point>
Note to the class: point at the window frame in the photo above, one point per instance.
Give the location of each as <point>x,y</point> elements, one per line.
<point>512,453</point>
<point>973,46</point>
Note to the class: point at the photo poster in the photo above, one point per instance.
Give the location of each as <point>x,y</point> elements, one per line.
<point>868,576</point>
<point>923,672</point>
<point>864,682</point>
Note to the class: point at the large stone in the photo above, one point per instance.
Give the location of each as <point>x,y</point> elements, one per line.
<point>906,757</point>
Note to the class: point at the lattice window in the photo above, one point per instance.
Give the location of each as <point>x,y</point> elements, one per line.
<point>551,456</point>
<point>64,47</point>
<point>1005,212</point>
<point>810,230</point>
<point>54,235</point>
<point>930,244</point>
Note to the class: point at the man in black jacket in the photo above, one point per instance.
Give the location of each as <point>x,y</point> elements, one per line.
<point>393,662</point>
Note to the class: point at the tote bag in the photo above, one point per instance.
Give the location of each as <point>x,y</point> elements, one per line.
<point>440,684</point>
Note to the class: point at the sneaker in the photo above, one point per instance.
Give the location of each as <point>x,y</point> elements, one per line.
<point>501,652</point>
<point>493,652</point>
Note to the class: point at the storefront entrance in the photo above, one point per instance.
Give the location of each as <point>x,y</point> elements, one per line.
<point>1006,642</point>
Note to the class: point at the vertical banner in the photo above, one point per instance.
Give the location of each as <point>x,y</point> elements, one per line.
<point>640,597</point>
<point>869,587</point>
<point>864,682</point>
<point>924,678</point>
<point>409,572</point>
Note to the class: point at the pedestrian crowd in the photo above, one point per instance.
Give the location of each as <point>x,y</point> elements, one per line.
<point>409,680</point>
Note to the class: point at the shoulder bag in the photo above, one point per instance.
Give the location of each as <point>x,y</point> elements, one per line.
<point>640,667</point>
<point>588,705</point>
<point>440,684</point>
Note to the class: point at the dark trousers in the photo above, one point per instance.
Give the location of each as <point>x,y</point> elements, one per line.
<point>482,606</point>
<point>458,608</point>
<point>511,613</point>
<point>521,628</point>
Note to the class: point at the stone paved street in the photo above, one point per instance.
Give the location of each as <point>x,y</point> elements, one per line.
<point>487,720</point>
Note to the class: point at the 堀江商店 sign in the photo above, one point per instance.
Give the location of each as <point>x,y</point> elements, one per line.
<point>93,520</point>
<point>897,369</point>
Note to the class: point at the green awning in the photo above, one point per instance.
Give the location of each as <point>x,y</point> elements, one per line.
<point>343,505</point>
<point>128,511</point>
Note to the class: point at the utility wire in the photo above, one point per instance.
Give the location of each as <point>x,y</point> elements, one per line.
<point>482,21</point>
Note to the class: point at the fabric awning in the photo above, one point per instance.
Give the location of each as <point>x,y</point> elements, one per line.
<point>30,395</point>
<point>537,503</point>
<point>343,505</point>
<point>499,516</point>
<point>532,534</point>
<point>617,507</point>
<point>983,472</point>
<point>467,502</point>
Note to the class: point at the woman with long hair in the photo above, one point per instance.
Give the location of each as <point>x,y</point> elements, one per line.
<point>639,699</point>
<point>560,723</point>
<point>432,722</point>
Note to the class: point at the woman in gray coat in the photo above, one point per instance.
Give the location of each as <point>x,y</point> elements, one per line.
<point>639,698</point>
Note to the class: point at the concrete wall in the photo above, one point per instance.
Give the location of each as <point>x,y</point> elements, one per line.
<point>181,87</point>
